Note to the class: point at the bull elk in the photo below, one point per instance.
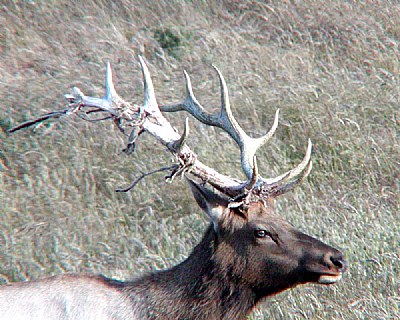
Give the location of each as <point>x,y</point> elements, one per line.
<point>246,254</point>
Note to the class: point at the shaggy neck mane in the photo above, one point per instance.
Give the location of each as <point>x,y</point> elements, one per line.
<point>195,289</point>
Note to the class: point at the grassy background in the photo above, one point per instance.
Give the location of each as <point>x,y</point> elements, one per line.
<point>331,67</point>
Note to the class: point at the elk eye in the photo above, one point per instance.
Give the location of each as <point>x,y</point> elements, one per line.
<point>261,233</point>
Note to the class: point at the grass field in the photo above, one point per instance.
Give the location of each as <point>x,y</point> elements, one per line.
<point>331,67</point>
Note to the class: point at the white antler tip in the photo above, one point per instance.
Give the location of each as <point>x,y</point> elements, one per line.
<point>309,168</point>
<point>186,128</point>
<point>110,90</point>
<point>189,90</point>
<point>150,102</point>
<point>144,67</point>
<point>309,147</point>
<point>221,77</point>
<point>140,59</point>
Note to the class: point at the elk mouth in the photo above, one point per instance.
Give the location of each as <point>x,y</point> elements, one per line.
<point>318,277</point>
<point>329,278</point>
<point>329,271</point>
<point>323,276</point>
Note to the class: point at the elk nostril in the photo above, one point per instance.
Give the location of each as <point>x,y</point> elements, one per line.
<point>339,263</point>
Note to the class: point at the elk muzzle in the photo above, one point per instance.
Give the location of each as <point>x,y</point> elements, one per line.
<point>337,266</point>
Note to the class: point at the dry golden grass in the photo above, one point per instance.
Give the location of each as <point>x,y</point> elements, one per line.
<point>331,67</point>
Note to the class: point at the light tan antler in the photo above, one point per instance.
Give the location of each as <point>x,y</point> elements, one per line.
<point>248,146</point>
<point>224,120</point>
<point>149,118</point>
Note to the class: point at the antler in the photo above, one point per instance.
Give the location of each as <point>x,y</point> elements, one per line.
<point>248,146</point>
<point>148,118</point>
<point>224,120</point>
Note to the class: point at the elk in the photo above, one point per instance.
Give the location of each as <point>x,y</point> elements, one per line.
<point>246,254</point>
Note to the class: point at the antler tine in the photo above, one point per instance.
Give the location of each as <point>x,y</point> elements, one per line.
<point>265,138</point>
<point>255,175</point>
<point>302,167</point>
<point>178,145</point>
<point>289,186</point>
<point>109,84</point>
<point>105,103</point>
<point>162,130</point>
<point>150,101</point>
<point>226,119</point>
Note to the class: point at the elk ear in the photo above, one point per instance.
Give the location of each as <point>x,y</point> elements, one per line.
<point>209,201</point>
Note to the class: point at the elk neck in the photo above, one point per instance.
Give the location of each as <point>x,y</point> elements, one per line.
<point>197,288</point>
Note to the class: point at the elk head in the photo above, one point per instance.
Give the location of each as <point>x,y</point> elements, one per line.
<point>255,246</point>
